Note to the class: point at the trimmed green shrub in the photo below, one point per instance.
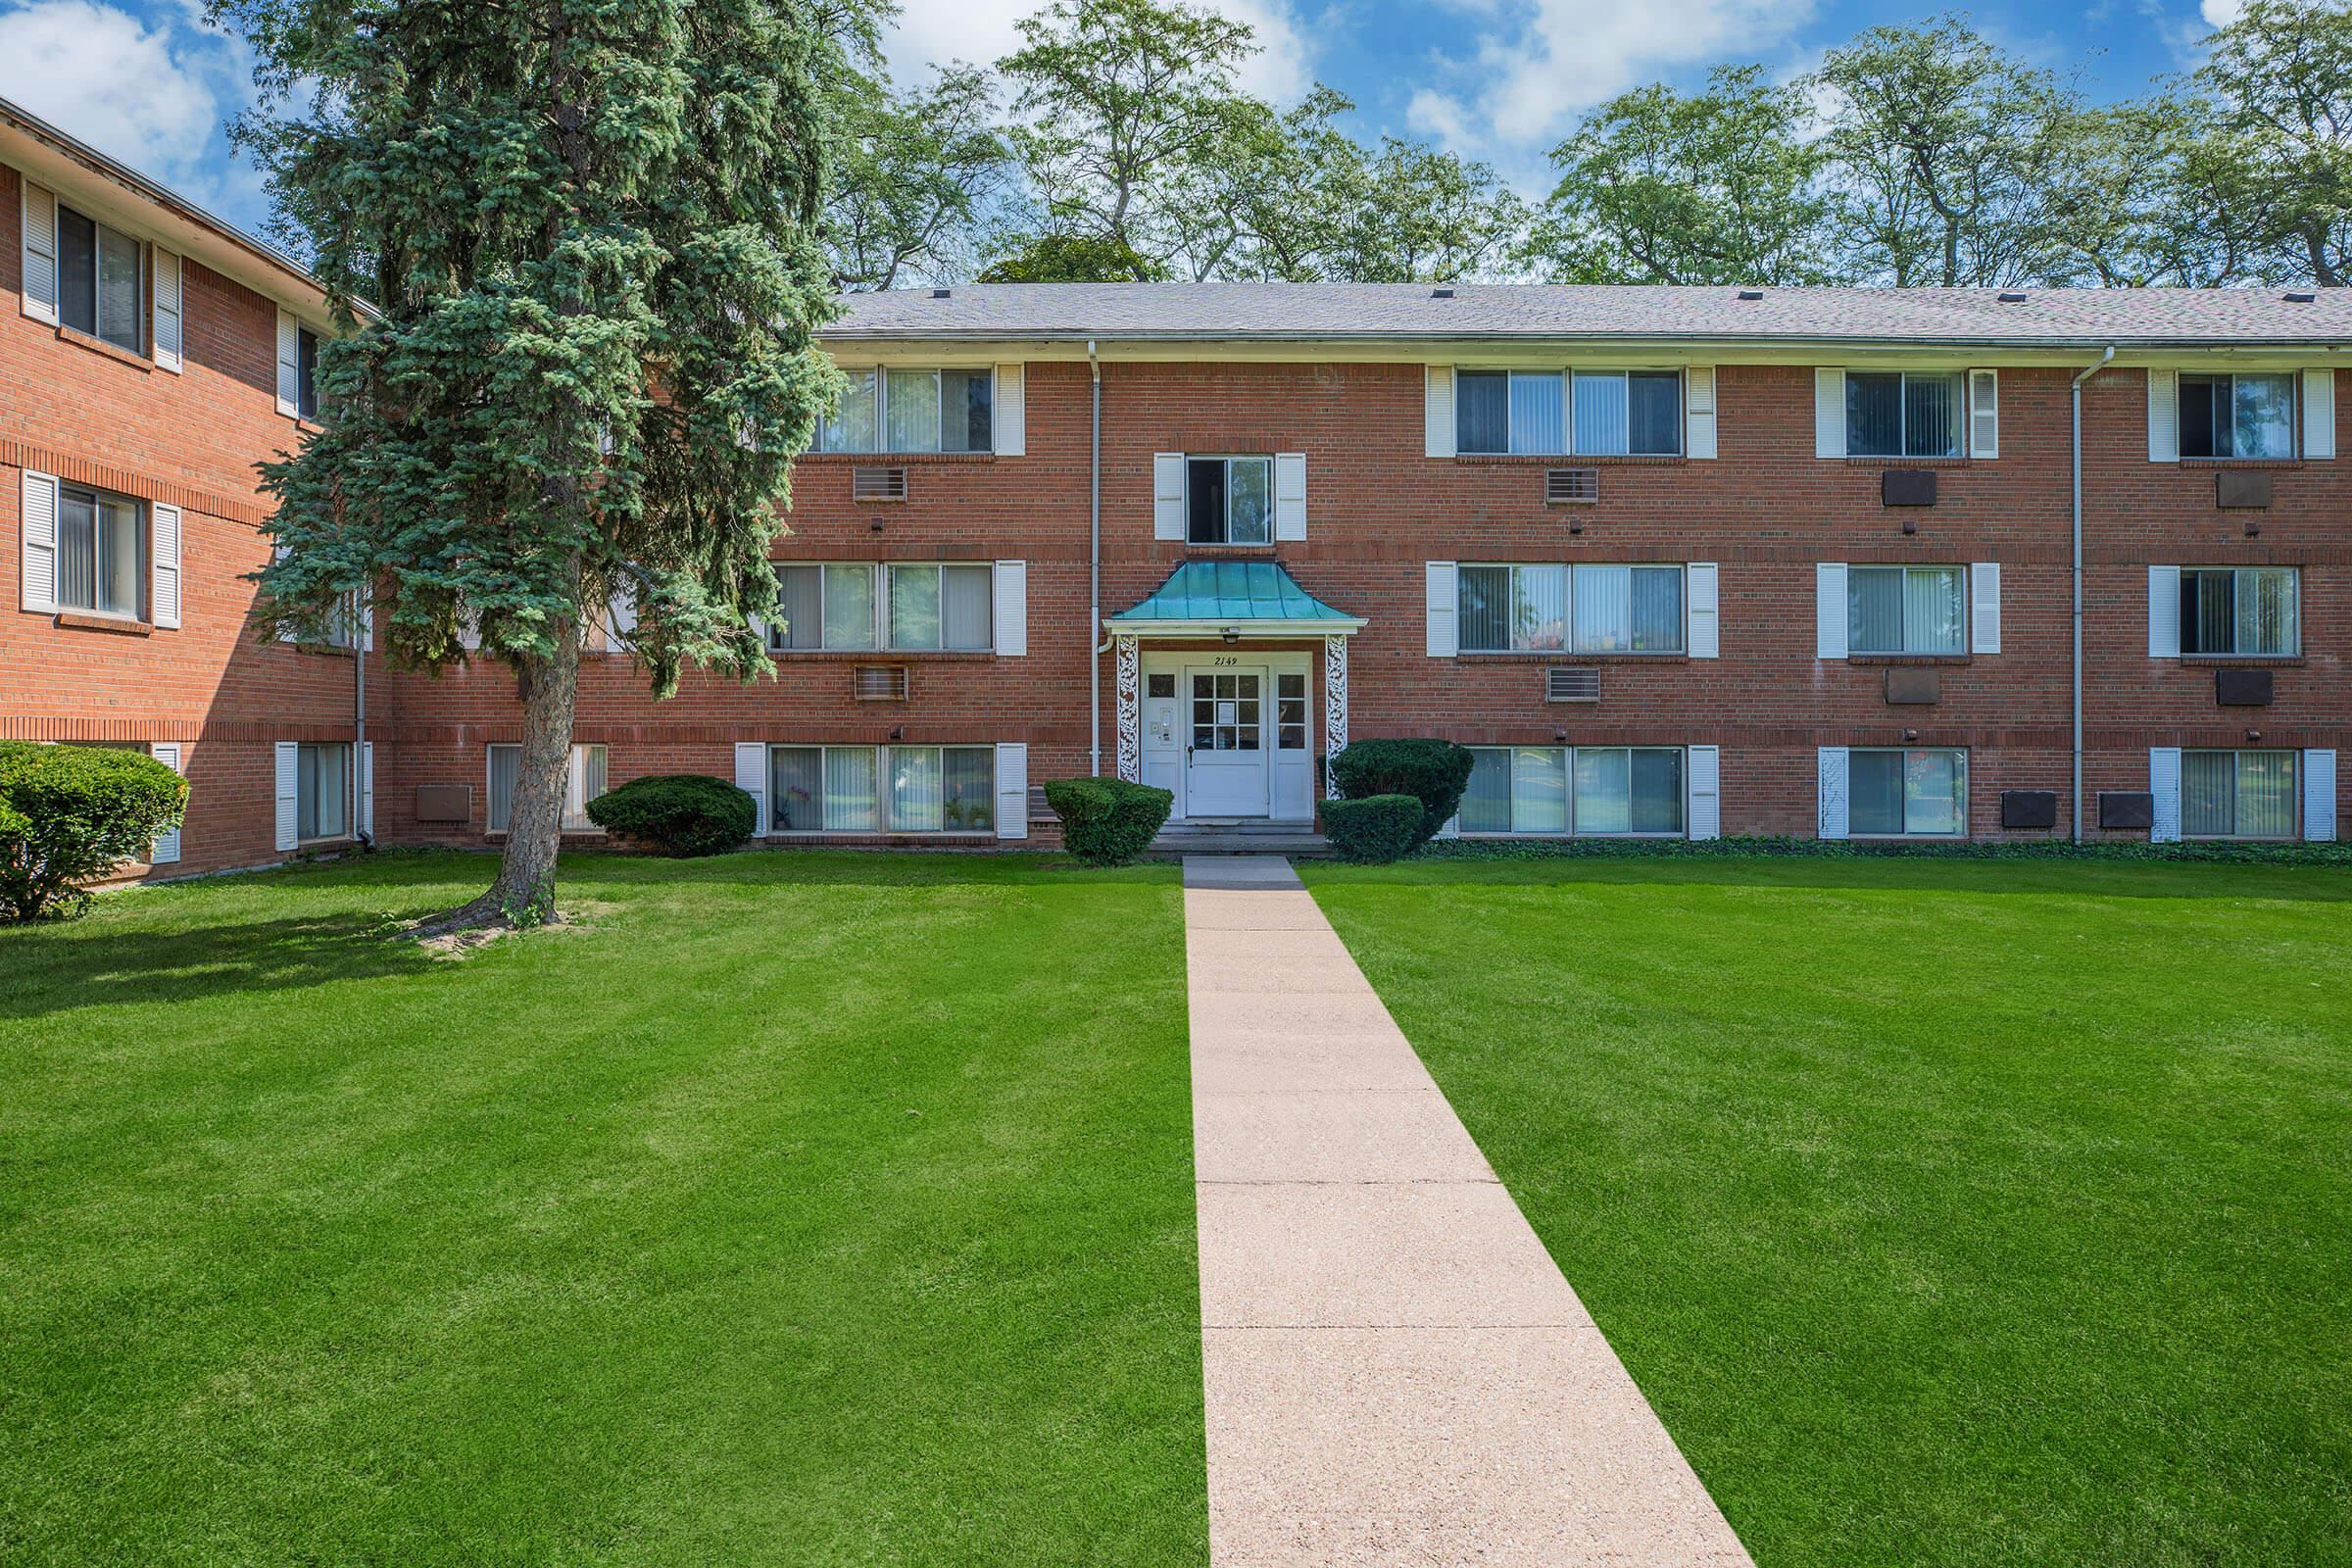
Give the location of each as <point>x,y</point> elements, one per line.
<point>1433,772</point>
<point>1108,821</point>
<point>680,815</point>
<point>1375,830</point>
<point>68,815</point>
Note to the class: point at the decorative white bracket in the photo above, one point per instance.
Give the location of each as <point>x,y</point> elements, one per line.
<point>1335,710</point>
<point>1130,709</point>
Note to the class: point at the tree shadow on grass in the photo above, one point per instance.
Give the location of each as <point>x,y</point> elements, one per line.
<point>56,969</point>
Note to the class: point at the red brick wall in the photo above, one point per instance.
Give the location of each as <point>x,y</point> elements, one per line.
<point>1766,511</point>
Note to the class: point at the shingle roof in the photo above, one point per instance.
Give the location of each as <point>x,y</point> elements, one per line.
<point>1232,591</point>
<point>2043,318</point>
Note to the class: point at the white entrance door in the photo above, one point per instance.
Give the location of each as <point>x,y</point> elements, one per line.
<point>1226,742</point>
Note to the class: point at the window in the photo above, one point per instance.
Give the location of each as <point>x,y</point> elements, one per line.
<point>856,606</point>
<point>583,781</point>
<point>306,373</point>
<point>882,789</point>
<point>100,544</point>
<point>2237,415</point>
<point>912,410</point>
<point>2240,610</point>
<point>101,281</point>
<point>2238,795</point>
<point>1599,414</point>
<point>1227,709</point>
<point>1904,609</point>
<point>1290,712</point>
<point>1907,794</point>
<point>1613,609</point>
<point>1229,501</point>
<point>1892,414</point>
<point>1585,790</point>
<point>323,789</point>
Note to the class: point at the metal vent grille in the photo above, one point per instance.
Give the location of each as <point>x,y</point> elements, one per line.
<point>877,484</point>
<point>1572,683</point>
<point>1565,485</point>
<point>879,683</point>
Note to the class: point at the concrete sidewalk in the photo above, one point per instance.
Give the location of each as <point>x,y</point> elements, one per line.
<point>1397,1373</point>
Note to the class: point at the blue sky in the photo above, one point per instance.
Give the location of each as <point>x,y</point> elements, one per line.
<point>1501,80</point>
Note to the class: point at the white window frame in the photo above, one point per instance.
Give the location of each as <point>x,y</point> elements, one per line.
<point>1961,751</point>
<point>1226,540</point>
<point>2294,794</point>
<point>1568,648</point>
<point>1967,611</point>
<point>1682,409</point>
<point>575,797</point>
<point>1568,762</point>
<point>2294,415</point>
<point>827,441</point>
<point>142,591</point>
<point>882,812</point>
<point>142,328</point>
<point>1960,421</point>
<point>1565,444</point>
<point>304,766</point>
<point>2294,575</point>
<point>938,570</point>
<point>878,575</point>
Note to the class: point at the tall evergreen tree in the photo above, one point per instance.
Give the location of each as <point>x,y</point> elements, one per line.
<point>570,248</point>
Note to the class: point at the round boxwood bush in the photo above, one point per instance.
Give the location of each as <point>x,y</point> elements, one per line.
<point>68,815</point>
<point>1375,830</point>
<point>678,813</point>
<point>1108,821</point>
<point>1433,772</point>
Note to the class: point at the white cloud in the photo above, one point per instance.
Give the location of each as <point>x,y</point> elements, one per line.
<point>1564,55</point>
<point>2222,12</point>
<point>933,32</point>
<point>152,94</point>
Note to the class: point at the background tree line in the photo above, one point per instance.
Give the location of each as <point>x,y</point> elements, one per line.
<point>1115,144</point>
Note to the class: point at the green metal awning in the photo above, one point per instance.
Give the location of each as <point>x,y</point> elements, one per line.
<point>1255,597</point>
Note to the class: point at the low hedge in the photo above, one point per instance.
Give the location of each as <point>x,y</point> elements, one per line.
<point>1793,848</point>
<point>682,814</point>
<point>1433,772</point>
<point>1372,831</point>
<point>68,815</point>
<point>1108,821</point>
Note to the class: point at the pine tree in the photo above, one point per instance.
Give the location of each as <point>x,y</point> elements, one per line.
<point>571,250</point>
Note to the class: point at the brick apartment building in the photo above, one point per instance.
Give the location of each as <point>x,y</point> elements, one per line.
<point>1673,561</point>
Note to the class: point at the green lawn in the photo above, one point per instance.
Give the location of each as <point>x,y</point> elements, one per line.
<point>1949,1213</point>
<point>795,1209</point>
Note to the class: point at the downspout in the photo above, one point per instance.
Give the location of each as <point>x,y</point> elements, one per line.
<point>360,613</point>
<point>1093,577</point>
<point>2075,809</point>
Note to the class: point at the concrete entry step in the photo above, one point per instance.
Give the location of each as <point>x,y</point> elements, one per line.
<point>1241,837</point>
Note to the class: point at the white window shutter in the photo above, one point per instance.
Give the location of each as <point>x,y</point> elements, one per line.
<point>1013,790</point>
<point>469,630</point>
<point>38,294</point>
<point>751,777</point>
<point>1984,607</point>
<point>621,615</point>
<point>1699,586</point>
<point>367,789</point>
<point>1702,814</point>
<point>1829,414</point>
<point>1829,610</point>
<point>166,849</point>
<point>2319,796</point>
<point>1832,788</point>
<point>2163,783</point>
<point>164,528</point>
<point>1437,412</point>
<point>1167,495</point>
<point>168,331</point>
<point>1443,610</point>
<point>2164,417</point>
<point>1012,608</point>
<point>1290,497</point>
<point>2319,413</point>
<point>289,367</point>
<point>2164,611</point>
<point>37,545</point>
<point>1984,413</point>
<point>289,795</point>
<point>1008,414</point>
<point>1698,419</point>
<point>363,608</point>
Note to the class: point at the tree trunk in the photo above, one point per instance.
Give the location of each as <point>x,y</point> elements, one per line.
<point>525,893</point>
